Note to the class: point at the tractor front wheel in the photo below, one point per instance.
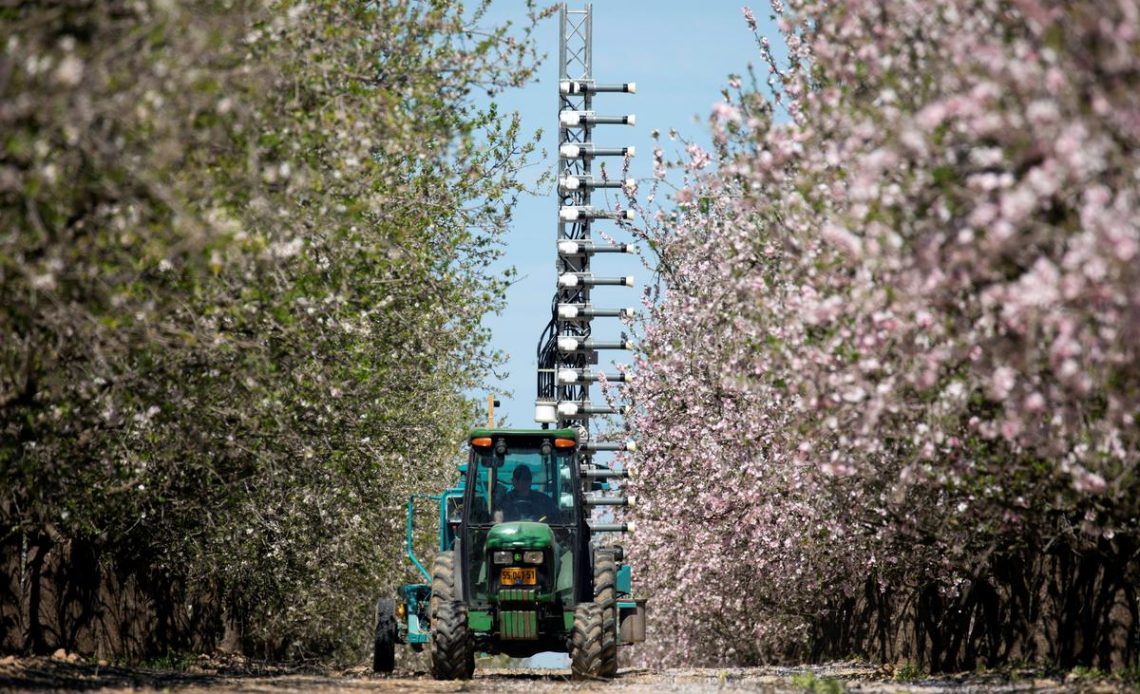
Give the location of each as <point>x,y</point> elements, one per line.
<point>605,596</point>
<point>384,650</point>
<point>590,647</point>
<point>452,652</point>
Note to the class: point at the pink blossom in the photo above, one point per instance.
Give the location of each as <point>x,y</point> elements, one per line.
<point>841,238</point>
<point>1002,382</point>
<point>725,112</point>
<point>1090,482</point>
<point>894,302</point>
<point>749,17</point>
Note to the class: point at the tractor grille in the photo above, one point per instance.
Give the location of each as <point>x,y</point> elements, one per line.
<point>517,595</point>
<point>518,614</point>
<point>518,624</point>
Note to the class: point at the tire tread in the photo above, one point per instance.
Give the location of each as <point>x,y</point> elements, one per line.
<point>605,596</point>
<point>586,642</point>
<point>452,650</point>
<point>384,647</point>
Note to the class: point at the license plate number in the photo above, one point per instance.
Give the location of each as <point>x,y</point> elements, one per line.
<point>518,576</point>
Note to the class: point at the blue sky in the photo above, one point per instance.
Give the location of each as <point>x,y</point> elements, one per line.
<point>680,54</point>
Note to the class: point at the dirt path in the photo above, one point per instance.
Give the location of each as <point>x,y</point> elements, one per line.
<point>57,674</point>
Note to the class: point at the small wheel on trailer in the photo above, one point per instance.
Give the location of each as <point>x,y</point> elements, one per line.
<point>384,649</point>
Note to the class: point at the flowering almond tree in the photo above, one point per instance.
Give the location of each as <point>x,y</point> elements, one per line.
<point>889,388</point>
<point>244,250</point>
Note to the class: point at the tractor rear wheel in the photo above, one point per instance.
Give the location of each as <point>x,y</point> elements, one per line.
<point>452,652</point>
<point>586,642</point>
<point>384,650</point>
<point>442,581</point>
<point>605,596</point>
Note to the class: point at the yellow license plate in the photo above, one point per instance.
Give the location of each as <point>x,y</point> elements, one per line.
<point>518,576</point>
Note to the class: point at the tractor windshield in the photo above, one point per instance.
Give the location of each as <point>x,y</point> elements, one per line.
<point>523,484</point>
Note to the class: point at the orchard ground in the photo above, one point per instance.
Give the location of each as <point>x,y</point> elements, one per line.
<point>63,672</point>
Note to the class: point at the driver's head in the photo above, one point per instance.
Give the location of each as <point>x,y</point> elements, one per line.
<point>521,479</point>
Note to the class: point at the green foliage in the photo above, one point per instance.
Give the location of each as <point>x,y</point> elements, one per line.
<point>909,672</point>
<point>1126,678</point>
<point>1130,676</point>
<point>1086,674</point>
<point>170,662</point>
<point>809,681</point>
<point>246,247</point>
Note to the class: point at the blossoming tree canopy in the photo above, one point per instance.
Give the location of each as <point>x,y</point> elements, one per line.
<point>236,237</point>
<point>894,351</point>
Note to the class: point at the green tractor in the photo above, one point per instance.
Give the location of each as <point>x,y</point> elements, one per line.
<point>517,572</point>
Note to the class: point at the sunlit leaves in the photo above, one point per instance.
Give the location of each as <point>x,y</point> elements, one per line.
<point>247,248</point>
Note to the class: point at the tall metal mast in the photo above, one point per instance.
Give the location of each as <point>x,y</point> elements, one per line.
<point>566,350</point>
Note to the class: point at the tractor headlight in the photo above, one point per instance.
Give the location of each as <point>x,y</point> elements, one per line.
<point>502,557</point>
<point>532,557</point>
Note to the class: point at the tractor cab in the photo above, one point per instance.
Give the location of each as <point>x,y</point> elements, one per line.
<point>522,538</point>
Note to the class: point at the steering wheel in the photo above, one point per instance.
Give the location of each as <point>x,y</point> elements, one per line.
<point>520,509</point>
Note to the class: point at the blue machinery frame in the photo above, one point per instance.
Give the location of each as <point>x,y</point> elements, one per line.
<point>414,597</point>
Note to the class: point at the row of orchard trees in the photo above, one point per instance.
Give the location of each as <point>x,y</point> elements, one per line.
<point>241,246</point>
<point>889,387</point>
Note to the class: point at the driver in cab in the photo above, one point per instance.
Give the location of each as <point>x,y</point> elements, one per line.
<point>524,503</point>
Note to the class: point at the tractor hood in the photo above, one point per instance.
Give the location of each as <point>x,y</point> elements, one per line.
<point>520,535</point>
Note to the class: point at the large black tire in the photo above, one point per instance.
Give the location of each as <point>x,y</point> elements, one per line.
<point>452,652</point>
<point>605,596</point>
<point>384,650</point>
<point>442,581</point>
<point>586,642</point>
